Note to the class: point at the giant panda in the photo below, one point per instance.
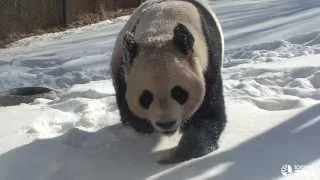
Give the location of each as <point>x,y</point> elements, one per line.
<point>166,72</point>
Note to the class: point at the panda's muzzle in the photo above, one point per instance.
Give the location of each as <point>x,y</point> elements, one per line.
<point>167,125</point>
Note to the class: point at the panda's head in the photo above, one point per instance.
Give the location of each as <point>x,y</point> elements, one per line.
<point>165,83</point>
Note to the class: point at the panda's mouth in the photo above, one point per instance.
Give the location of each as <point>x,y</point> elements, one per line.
<point>169,132</point>
<point>166,127</point>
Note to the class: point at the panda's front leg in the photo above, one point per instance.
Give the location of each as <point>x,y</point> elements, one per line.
<point>198,139</point>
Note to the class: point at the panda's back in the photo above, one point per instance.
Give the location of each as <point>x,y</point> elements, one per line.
<point>157,21</point>
<point>154,20</point>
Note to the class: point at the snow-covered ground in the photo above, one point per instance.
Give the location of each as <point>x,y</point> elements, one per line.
<point>272,89</point>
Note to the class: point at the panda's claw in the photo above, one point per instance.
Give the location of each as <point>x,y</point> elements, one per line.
<point>176,158</point>
<point>171,158</point>
<point>169,161</point>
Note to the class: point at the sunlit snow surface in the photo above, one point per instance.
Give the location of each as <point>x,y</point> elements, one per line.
<point>271,83</point>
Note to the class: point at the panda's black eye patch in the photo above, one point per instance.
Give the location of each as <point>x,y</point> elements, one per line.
<point>179,94</point>
<point>146,99</point>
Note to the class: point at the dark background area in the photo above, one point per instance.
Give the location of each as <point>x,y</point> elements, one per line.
<point>20,17</point>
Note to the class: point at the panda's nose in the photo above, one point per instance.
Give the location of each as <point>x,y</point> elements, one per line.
<point>166,124</point>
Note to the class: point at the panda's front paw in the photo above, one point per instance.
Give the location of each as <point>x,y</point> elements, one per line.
<point>172,159</point>
<point>178,158</point>
<point>166,156</point>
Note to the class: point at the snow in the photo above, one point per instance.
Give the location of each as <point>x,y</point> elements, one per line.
<point>271,83</point>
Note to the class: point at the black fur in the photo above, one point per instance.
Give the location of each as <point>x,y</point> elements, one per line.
<point>131,47</point>
<point>179,94</point>
<point>183,38</point>
<point>202,131</point>
<point>127,117</point>
<point>146,99</point>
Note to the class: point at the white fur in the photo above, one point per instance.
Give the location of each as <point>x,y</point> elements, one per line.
<point>159,65</point>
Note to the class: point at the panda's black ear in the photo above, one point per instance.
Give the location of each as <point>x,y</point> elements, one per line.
<point>130,46</point>
<point>183,38</point>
